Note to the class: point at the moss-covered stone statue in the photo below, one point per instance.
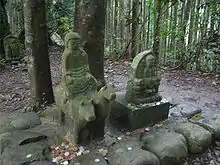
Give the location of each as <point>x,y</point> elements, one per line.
<point>76,77</point>
<point>82,108</point>
<point>13,47</point>
<point>77,113</point>
<point>143,80</point>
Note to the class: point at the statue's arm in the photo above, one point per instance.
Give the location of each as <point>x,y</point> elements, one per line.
<point>86,61</point>
<point>66,65</point>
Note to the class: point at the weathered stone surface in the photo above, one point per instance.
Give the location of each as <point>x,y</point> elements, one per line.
<point>102,104</point>
<point>76,77</point>
<point>51,113</point>
<point>143,83</point>
<point>26,154</point>
<point>130,153</point>
<point>78,114</point>
<point>42,163</point>
<point>80,106</point>
<point>198,138</point>
<point>123,115</point>
<point>211,122</point>
<point>12,47</point>
<point>169,147</point>
<point>19,122</point>
<point>20,137</point>
<point>53,130</point>
<point>89,159</point>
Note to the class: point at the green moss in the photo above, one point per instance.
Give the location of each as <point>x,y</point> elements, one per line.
<point>197,116</point>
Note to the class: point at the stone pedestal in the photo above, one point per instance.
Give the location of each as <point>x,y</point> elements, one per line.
<point>123,115</point>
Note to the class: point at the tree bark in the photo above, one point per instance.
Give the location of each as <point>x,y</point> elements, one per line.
<point>36,43</point>
<point>135,9</point>
<point>90,18</point>
<point>4,26</point>
<point>156,43</point>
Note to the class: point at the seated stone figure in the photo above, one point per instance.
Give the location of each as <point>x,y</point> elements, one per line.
<point>76,77</point>
<point>12,47</point>
<point>143,80</point>
<point>83,109</point>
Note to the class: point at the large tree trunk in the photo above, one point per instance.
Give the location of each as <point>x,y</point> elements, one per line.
<point>90,24</point>
<point>4,26</point>
<point>36,43</point>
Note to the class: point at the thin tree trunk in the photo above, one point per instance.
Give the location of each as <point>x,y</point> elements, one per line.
<point>122,24</point>
<point>135,9</point>
<point>36,44</point>
<point>4,26</point>
<point>156,43</point>
<point>115,44</point>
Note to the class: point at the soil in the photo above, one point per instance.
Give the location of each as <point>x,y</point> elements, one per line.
<point>197,90</point>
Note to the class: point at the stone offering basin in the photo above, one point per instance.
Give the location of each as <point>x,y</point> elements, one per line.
<point>126,116</point>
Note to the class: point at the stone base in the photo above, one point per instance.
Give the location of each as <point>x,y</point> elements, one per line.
<point>124,116</point>
<point>149,99</point>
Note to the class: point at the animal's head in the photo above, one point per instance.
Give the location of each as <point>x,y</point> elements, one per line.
<point>108,93</point>
<point>87,110</point>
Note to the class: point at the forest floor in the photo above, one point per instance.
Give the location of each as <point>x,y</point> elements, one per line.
<point>191,90</point>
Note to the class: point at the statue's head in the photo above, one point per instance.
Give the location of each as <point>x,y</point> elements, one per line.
<point>73,40</point>
<point>150,60</point>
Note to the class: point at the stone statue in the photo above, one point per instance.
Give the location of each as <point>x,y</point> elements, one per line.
<point>4,28</point>
<point>102,109</point>
<point>83,109</point>
<point>77,113</point>
<point>143,80</point>
<point>12,47</point>
<point>76,77</point>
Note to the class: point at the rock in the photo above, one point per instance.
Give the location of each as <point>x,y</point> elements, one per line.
<point>42,163</point>
<point>188,113</point>
<point>9,123</point>
<point>130,153</point>
<point>89,159</point>
<point>26,120</point>
<point>169,147</point>
<point>198,138</point>
<point>211,122</point>
<point>54,131</point>
<point>25,154</point>
<point>17,138</point>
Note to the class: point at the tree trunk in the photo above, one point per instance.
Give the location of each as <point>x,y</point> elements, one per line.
<point>122,25</point>
<point>4,26</point>
<point>36,43</point>
<point>90,18</point>
<point>135,9</point>
<point>156,43</point>
<point>115,43</point>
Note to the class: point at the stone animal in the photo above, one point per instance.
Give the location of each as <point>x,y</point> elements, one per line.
<point>78,113</point>
<point>102,110</point>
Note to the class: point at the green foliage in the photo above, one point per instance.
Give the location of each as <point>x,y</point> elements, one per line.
<point>61,17</point>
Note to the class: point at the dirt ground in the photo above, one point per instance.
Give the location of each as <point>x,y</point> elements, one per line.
<point>201,91</point>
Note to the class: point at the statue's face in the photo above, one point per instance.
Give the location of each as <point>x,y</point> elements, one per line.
<point>151,61</point>
<point>74,43</point>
